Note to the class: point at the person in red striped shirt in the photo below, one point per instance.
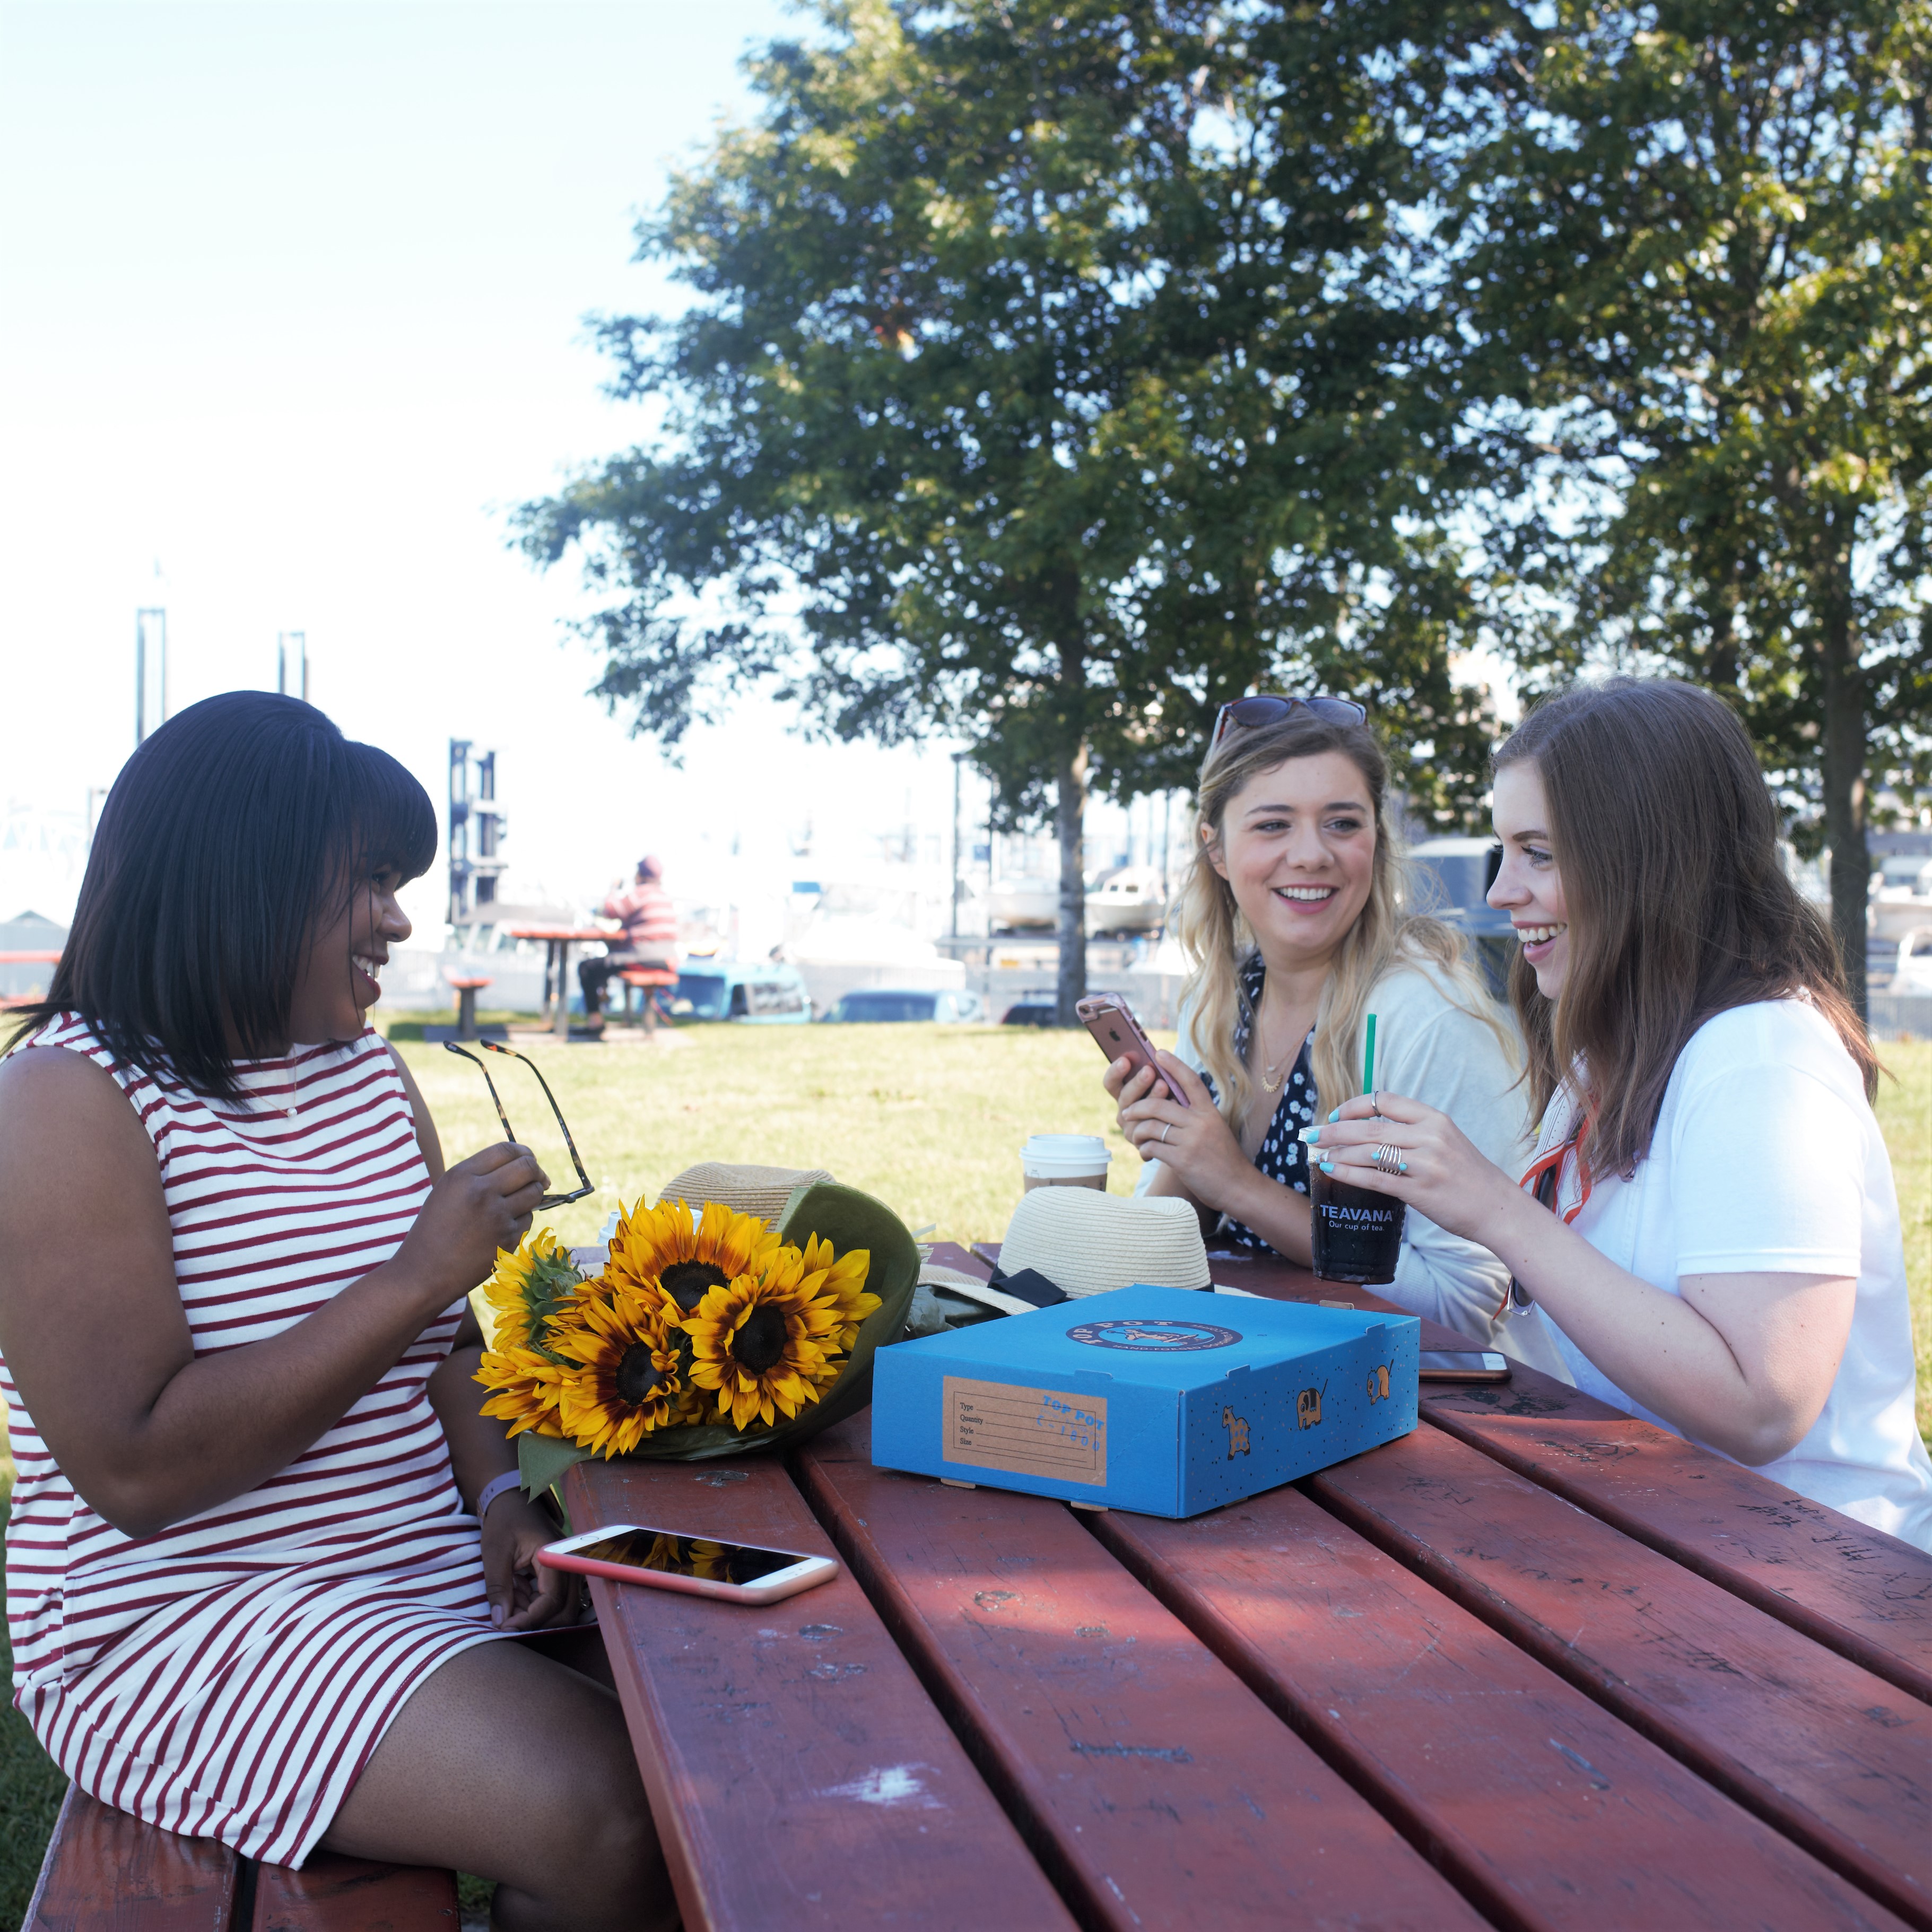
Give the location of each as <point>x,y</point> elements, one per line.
<point>649,938</point>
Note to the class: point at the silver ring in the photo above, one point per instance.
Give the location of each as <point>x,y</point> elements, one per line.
<point>1375,1103</point>
<point>1167,1128</point>
<point>1389,1160</point>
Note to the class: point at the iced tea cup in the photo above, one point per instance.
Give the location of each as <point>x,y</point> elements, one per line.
<point>1358,1232</point>
<point>1065,1160</point>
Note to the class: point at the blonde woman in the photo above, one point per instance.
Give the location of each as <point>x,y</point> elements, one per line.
<point>1293,916</point>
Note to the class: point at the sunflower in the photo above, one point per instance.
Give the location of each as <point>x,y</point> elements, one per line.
<point>531,1288</point>
<point>624,1375</point>
<point>688,1556</point>
<point>662,1250</point>
<point>526,1384</point>
<point>709,1560</point>
<point>762,1344</point>
<point>666,1553</point>
<point>840,1283</point>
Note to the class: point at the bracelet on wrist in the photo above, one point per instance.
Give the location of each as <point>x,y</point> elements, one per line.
<point>509,1479</point>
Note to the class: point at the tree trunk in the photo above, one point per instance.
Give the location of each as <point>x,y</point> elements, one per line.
<point>1844,773</point>
<point>1069,820</point>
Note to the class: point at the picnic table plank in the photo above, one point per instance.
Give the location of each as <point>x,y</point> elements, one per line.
<point>1852,1588</point>
<point>109,1872</point>
<point>1833,1756</point>
<point>333,1894</point>
<point>1154,1786</point>
<point>798,1774</point>
<point>1548,1811</point>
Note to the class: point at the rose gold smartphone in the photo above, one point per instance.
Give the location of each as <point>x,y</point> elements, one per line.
<point>1117,1033</point>
<point>668,1559</point>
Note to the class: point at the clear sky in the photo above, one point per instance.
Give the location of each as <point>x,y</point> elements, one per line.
<point>292,307</point>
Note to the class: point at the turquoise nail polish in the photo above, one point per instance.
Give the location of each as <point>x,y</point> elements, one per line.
<point>1311,1134</point>
<point>1326,1166</point>
<point>1337,1115</point>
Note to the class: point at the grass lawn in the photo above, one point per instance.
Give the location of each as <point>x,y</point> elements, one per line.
<point>931,1119</point>
<point>1905,1112</point>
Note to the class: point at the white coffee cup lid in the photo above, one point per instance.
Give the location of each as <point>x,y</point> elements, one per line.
<point>1065,1153</point>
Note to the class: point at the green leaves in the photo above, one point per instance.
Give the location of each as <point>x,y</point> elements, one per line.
<point>1703,267</point>
<point>1055,373</point>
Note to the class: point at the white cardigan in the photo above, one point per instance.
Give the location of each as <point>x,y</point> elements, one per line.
<point>1430,1049</point>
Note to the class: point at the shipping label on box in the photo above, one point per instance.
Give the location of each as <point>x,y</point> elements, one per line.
<point>1158,1399</point>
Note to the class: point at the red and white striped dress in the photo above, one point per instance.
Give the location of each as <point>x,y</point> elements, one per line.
<point>229,1677</point>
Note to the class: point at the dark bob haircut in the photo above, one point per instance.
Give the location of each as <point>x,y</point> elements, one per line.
<point>239,829</point>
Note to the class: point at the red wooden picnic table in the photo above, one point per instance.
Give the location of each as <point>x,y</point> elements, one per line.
<point>1536,1664</point>
<point>558,939</point>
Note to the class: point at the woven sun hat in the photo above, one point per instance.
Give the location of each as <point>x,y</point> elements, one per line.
<point>1087,1243</point>
<point>762,1191</point>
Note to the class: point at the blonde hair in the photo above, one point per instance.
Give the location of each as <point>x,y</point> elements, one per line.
<point>1385,936</point>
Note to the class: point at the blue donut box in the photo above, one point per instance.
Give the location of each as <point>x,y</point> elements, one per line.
<point>1163,1400</point>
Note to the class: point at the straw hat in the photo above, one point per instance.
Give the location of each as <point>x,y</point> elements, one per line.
<point>762,1191</point>
<point>765,1192</point>
<point>1087,1243</point>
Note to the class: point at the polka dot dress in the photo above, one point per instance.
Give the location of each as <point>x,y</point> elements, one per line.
<point>1282,1156</point>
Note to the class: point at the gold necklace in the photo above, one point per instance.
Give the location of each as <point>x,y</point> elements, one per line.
<point>1270,1080</point>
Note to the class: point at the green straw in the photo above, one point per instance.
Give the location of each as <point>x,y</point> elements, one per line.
<point>1369,1059</point>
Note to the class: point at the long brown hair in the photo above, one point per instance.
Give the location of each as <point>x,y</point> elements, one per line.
<point>1385,935</point>
<point>1666,839</point>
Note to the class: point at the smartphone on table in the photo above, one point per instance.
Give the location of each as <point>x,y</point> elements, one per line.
<point>1456,1365</point>
<point>667,1559</point>
<point>1119,1035</point>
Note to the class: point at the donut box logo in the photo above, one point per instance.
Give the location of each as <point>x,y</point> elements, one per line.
<point>1153,1337</point>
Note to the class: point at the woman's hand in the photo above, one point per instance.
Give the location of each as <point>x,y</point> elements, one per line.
<point>1194,1140</point>
<point>1446,1177</point>
<point>481,1205</point>
<point>523,1594</point>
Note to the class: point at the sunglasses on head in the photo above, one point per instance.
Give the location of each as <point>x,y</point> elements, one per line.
<point>1252,713</point>
<point>576,1160</point>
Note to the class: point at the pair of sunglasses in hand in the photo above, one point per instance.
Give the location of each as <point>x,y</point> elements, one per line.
<point>576,1159</point>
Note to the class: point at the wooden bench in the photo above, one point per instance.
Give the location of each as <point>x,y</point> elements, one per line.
<point>650,980</point>
<point>106,1871</point>
<point>467,987</point>
<point>28,959</point>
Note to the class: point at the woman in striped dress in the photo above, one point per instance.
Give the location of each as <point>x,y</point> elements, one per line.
<point>248,1597</point>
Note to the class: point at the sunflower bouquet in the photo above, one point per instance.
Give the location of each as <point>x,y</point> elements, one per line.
<point>707,1332</point>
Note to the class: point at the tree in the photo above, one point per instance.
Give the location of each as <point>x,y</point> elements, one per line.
<point>1052,376</point>
<point>1700,252</point>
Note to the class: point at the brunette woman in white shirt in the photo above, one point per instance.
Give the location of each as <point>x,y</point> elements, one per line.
<point>1725,1257</point>
<point>1296,918</point>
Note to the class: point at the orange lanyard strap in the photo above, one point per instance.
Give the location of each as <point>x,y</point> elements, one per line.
<point>1544,1179</point>
<point>1549,1168</point>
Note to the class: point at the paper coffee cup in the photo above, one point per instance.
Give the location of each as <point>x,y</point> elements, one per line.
<point>1065,1160</point>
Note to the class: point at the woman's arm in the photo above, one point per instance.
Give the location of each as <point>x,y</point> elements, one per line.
<point>1201,1158</point>
<point>523,1594</point>
<point>1743,1362</point>
<point>97,1340</point>
<point>1450,1061</point>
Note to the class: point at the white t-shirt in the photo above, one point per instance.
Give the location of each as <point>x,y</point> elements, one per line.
<point>1768,1159</point>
